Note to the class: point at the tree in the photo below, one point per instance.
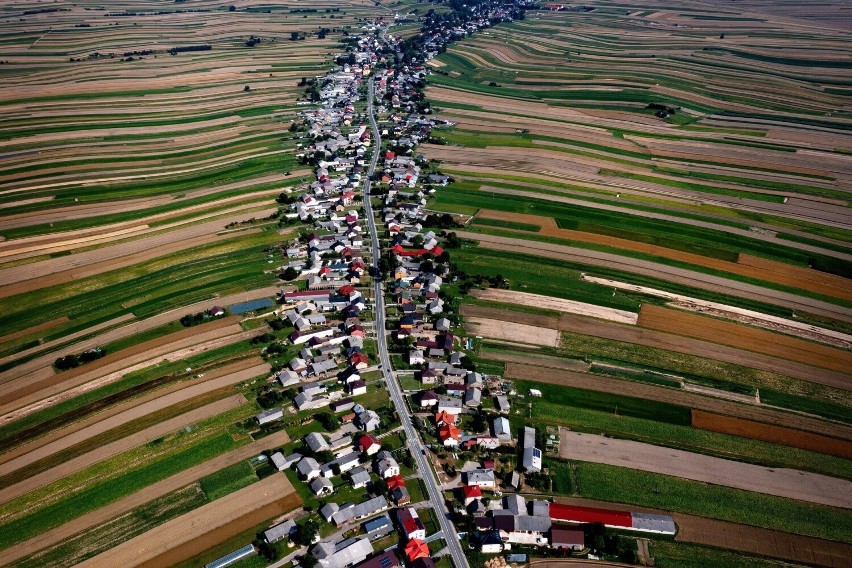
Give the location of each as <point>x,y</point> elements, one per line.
<point>232,8</point>
<point>289,274</point>
<point>305,534</point>
<point>329,421</point>
<point>308,561</point>
<point>246,88</point>
<point>294,36</point>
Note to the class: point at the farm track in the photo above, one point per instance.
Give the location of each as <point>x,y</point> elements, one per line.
<point>742,538</point>
<point>525,368</point>
<point>656,270</point>
<point>749,266</point>
<point>781,482</point>
<point>154,491</point>
<point>114,416</point>
<point>670,342</point>
<point>109,450</point>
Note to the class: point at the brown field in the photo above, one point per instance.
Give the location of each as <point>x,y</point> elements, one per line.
<point>656,270</point>
<point>496,329</point>
<point>145,495</point>
<point>778,481</point>
<point>526,368</point>
<point>770,433</point>
<point>109,450</point>
<point>35,329</point>
<point>114,416</point>
<point>750,266</point>
<point>752,339</point>
<point>556,304</point>
<point>667,341</point>
<point>191,534</point>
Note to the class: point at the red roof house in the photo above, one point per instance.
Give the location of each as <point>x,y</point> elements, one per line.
<point>416,549</point>
<point>369,444</point>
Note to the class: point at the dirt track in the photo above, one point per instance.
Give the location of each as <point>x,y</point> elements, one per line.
<point>525,368</point>
<point>130,410</point>
<point>656,270</point>
<point>109,450</point>
<point>704,328</point>
<point>742,538</point>
<point>142,496</point>
<point>676,343</point>
<point>781,482</point>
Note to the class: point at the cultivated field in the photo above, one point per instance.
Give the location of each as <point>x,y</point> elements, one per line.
<point>523,333</point>
<point>793,484</point>
<point>556,304</point>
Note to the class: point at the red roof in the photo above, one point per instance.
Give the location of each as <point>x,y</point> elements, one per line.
<point>445,417</point>
<point>449,431</point>
<point>357,358</point>
<point>368,441</point>
<point>472,491</point>
<point>577,514</point>
<point>346,290</point>
<point>416,549</point>
<point>397,249</point>
<point>395,481</point>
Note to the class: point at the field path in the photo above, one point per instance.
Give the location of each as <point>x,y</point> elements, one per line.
<point>114,448</point>
<point>143,496</point>
<point>679,275</point>
<point>524,368</point>
<point>781,482</point>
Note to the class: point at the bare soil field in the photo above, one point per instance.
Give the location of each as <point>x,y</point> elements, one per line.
<point>518,332</point>
<point>191,534</point>
<point>750,266</point>
<point>556,304</point>
<point>735,335</point>
<point>679,275</point>
<point>110,450</point>
<point>670,342</point>
<point>147,494</point>
<point>112,417</point>
<point>527,368</point>
<point>781,482</point>
<point>770,433</point>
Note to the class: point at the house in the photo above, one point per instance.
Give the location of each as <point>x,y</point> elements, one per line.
<point>343,554</point>
<point>428,399</point>
<point>288,378</point>
<point>490,542</point>
<point>425,562</point>
<point>358,360</point>
<point>471,493</point>
<point>386,465</point>
<point>472,397</point>
<point>415,357</point>
<point>308,468</point>
<point>369,444</point>
<point>347,462</point>
<point>360,511</point>
<point>501,429</point>
<point>368,420</point>
<point>378,527</point>
<point>450,434</point>
<point>328,511</point>
<point>270,415</point>
<point>488,442</point>
<point>316,442</point>
<point>502,403</point>
<point>400,496</point>
<point>531,459</point>
<point>342,404</point>
<point>359,477</point>
<point>443,417</point>
<point>410,524</point>
<point>416,549</point>
<point>386,559</point>
<point>280,531</point>
<point>450,405</point>
<point>357,388</point>
<point>443,324</point>
<point>428,376</point>
<point>321,487</point>
<point>288,461</point>
<point>483,478</point>
<point>216,311</point>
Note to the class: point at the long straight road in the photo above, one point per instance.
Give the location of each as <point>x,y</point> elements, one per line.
<point>414,442</point>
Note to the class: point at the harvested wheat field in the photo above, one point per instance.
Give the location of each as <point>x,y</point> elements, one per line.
<point>737,335</point>
<point>496,329</point>
<point>556,304</point>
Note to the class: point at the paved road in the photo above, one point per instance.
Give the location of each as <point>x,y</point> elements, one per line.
<point>413,438</point>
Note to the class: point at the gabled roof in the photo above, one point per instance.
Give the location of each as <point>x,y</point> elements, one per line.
<point>416,549</point>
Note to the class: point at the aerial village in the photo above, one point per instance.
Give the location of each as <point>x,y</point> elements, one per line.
<point>359,474</point>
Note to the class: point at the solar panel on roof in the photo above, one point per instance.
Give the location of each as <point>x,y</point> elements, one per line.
<point>385,562</point>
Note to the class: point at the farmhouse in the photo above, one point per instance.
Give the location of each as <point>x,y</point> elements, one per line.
<point>270,415</point>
